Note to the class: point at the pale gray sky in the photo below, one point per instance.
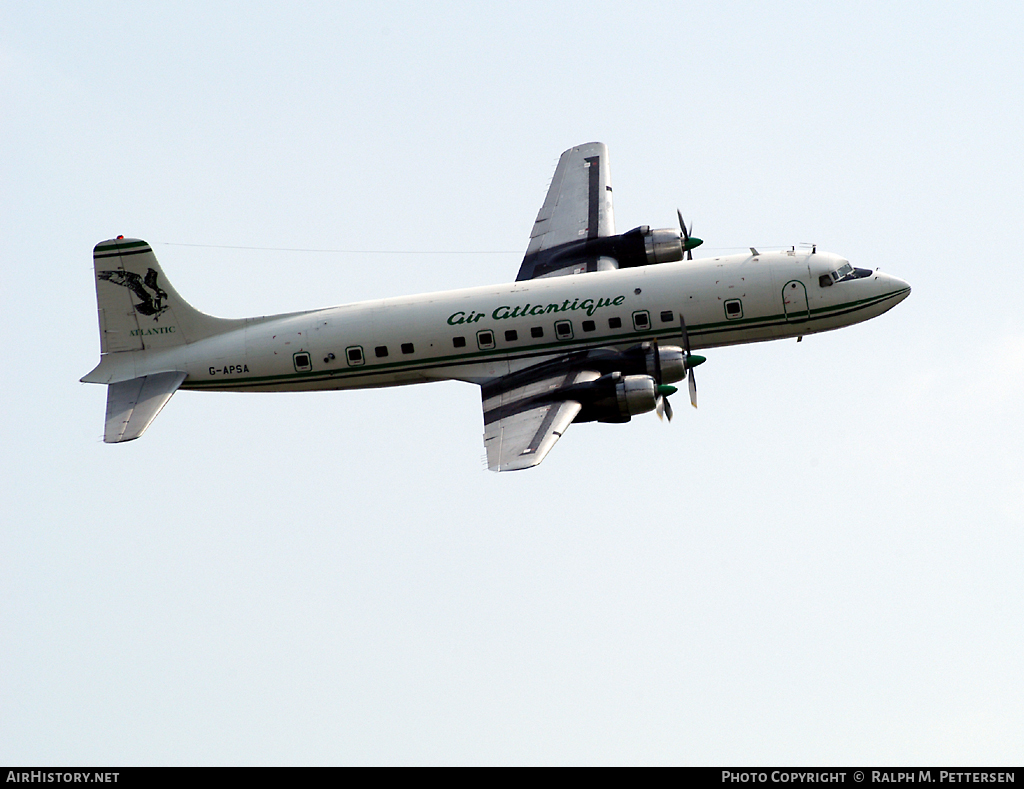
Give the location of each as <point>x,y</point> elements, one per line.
<point>820,566</point>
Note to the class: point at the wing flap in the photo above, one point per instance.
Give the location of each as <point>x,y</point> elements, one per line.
<point>523,421</point>
<point>524,440</point>
<point>133,405</point>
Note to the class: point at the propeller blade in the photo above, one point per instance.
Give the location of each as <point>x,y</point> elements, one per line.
<point>690,360</point>
<point>682,225</point>
<point>689,242</point>
<point>686,336</point>
<point>664,407</point>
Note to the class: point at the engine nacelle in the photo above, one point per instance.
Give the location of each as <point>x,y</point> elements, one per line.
<point>671,359</point>
<point>635,394</point>
<point>641,246</point>
<point>663,246</point>
<point>666,365</point>
<point>615,397</point>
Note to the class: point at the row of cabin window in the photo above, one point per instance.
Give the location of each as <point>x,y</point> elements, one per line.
<point>563,329</point>
<point>485,338</point>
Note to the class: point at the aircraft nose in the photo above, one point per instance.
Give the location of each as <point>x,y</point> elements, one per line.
<point>897,287</point>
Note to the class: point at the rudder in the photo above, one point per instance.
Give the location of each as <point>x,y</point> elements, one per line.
<point>139,309</point>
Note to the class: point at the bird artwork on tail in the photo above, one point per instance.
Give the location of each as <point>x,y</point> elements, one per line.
<point>152,295</point>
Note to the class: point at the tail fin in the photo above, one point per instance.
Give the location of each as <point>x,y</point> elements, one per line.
<point>139,310</point>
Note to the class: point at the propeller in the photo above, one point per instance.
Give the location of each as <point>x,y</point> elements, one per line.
<point>690,359</point>
<point>663,407</point>
<point>689,242</point>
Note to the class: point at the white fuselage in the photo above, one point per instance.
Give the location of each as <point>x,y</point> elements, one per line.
<point>415,339</point>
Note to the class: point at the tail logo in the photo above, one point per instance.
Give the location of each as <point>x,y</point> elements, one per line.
<point>152,295</point>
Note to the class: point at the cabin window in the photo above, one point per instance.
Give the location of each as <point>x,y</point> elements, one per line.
<point>511,335</point>
<point>537,331</point>
<point>381,351</point>
<point>459,342</point>
<point>354,354</point>
<point>302,361</point>
<point>615,323</point>
<point>485,339</point>
<point>407,347</point>
<point>641,320</point>
<point>667,316</point>
<point>563,330</point>
<point>589,326</point>
<point>733,309</point>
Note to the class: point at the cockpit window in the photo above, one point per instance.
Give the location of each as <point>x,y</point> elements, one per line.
<point>845,273</point>
<point>841,272</point>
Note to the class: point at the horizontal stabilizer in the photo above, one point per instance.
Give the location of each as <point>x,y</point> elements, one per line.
<point>133,405</point>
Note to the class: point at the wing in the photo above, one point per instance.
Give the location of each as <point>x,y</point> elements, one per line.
<point>524,417</point>
<point>133,405</point>
<point>578,207</point>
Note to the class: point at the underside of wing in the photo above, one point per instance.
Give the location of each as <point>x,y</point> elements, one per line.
<point>524,418</point>
<point>578,207</point>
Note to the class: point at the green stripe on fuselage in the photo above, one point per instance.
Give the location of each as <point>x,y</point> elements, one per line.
<point>545,349</point>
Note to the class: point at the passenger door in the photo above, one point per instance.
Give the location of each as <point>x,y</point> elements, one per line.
<point>794,301</point>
